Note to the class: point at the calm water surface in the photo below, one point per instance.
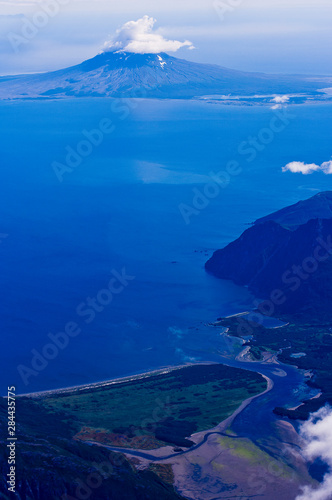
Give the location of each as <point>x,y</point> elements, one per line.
<point>120,209</point>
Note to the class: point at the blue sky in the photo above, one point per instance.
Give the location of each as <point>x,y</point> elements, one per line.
<point>292,36</point>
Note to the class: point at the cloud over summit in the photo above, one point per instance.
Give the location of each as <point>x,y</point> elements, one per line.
<point>140,38</point>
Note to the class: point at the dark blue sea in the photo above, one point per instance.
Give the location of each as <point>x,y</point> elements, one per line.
<point>121,209</point>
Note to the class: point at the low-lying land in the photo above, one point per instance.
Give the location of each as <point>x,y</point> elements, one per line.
<point>52,466</point>
<point>302,342</point>
<point>55,430</point>
<point>146,413</point>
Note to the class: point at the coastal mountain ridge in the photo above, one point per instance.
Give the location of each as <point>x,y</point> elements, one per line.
<point>125,74</point>
<point>288,251</point>
<point>316,207</point>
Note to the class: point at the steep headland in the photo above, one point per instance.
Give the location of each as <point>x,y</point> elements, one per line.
<point>285,257</point>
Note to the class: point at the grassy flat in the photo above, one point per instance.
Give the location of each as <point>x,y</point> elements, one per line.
<point>147,412</point>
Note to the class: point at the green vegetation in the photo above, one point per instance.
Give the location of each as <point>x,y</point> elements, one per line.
<point>254,455</point>
<point>301,335</point>
<point>51,466</point>
<point>157,409</point>
<point>243,448</point>
<point>55,461</point>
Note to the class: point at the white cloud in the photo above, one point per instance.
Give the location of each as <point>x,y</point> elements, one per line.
<point>317,433</point>
<point>301,167</point>
<point>139,37</point>
<point>281,99</point>
<point>308,168</point>
<point>327,167</point>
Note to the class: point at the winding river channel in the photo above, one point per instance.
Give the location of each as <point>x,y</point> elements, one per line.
<point>254,420</point>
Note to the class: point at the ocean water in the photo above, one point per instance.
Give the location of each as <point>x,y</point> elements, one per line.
<point>118,208</point>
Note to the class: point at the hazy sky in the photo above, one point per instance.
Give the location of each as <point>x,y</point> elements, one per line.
<point>291,36</point>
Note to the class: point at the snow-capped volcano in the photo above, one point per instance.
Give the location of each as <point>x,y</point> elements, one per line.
<point>127,74</point>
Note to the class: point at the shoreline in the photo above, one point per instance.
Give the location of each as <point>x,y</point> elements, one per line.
<point>105,383</point>
<point>167,451</point>
<point>129,378</point>
<point>225,424</point>
<point>114,381</point>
